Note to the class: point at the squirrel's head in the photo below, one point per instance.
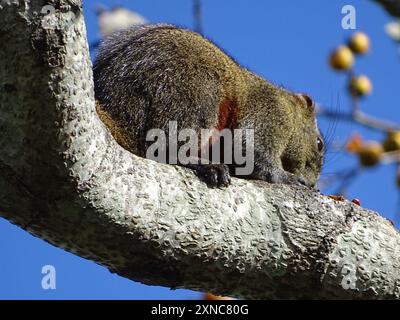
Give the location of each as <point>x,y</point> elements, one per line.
<point>304,153</point>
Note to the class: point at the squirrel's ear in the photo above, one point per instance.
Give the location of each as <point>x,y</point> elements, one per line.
<point>308,102</point>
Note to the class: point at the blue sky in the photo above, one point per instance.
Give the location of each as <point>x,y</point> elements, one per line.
<point>287,42</point>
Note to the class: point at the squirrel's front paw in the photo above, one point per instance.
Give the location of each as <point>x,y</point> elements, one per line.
<point>302,181</point>
<point>281,176</point>
<point>215,175</point>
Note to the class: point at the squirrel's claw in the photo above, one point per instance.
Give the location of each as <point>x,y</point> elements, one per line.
<point>215,175</point>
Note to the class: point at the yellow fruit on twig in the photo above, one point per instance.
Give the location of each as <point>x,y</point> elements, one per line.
<point>371,154</point>
<point>360,86</point>
<point>392,142</point>
<point>355,143</point>
<point>342,58</point>
<point>359,43</point>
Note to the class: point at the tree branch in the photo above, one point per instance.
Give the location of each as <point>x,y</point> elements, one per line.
<point>64,179</point>
<point>391,6</point>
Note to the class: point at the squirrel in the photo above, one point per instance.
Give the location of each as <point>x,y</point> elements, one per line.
<point>148,75</point>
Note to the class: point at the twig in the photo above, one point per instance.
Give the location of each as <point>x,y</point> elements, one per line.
<point>391,157</point>
<point>198,16</point>
<point>360,118</point>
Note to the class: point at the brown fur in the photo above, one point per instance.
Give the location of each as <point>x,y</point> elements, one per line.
<point>149,75</point>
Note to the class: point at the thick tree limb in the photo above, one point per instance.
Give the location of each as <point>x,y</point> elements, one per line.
<point>64,179</point>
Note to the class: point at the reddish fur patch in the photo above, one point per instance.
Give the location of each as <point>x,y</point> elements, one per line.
<point>227,115</point>
<point>227,119</point>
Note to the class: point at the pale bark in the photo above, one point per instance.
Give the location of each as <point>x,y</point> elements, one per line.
<point>64,179</point>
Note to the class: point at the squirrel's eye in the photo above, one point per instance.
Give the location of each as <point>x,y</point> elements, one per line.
<point>320,144</point>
